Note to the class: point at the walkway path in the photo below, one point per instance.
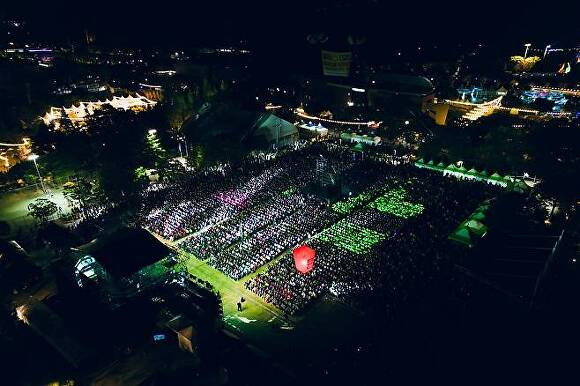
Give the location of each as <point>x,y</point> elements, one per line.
<point>255,314</point>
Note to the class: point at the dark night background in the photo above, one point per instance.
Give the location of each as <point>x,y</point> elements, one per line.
<point>282,26</point>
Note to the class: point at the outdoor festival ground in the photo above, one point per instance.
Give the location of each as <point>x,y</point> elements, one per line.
<point>392,200</point>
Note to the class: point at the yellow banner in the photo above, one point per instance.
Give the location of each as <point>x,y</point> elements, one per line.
<point>336,63</point>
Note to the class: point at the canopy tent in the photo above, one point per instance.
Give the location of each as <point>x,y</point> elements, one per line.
<point>275,130</point>
<point>496,179</point>
<point>462,236</point>
<point>479,216</point>
<point>472,227</point>
<point>472,174</point>
<point>476,227</point>
<point>519,186</point>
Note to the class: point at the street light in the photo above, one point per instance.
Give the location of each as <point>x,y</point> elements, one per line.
<point>33,158</point>
<point>527,45</point>
<point>546,50</point>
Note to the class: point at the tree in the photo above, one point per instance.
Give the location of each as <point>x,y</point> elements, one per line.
<point>84,191</point>
<point>41,209</point>
<point>524,64</point>
<point>155,150</point>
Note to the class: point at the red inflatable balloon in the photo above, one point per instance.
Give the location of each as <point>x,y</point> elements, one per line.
<point>304,258</point>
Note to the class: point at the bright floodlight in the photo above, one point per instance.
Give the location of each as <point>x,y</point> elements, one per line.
<point>33,157</point>
<point>152,131</point>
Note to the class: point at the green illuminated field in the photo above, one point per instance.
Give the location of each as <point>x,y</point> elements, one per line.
<point>346,206</point>
<point>393,202</point>
<point>352,237</point>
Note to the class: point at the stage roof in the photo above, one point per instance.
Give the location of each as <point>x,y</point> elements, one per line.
<point>126,251</point>
<point>404,83</point>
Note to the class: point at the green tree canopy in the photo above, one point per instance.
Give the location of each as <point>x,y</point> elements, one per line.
<point>41,209</point>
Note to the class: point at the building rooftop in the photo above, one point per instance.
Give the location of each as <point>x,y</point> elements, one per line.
<point>410,84</point>
<point>126,251</point>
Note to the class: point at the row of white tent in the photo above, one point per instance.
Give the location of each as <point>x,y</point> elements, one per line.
<point>85,109</point>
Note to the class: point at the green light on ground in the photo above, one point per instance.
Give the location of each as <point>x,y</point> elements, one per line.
<point>352,237</point>
<point>346,206</point>
<point>393,202</point>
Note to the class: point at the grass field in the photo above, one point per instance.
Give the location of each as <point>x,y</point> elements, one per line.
<point>255,311</point>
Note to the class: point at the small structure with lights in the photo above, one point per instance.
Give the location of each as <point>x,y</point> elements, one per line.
<point>125,260</point>
<point>78,115</point>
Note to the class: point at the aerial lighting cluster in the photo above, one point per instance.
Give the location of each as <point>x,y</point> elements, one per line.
<point>301,113</point>
<point>351,237</point>
<point>78,114</point>
<point>569,91</point>
<point>393,202</point>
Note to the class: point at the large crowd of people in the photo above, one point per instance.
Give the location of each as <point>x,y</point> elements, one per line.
<point>382,236</point>
<point>370,251</point>
<point>248,255</point>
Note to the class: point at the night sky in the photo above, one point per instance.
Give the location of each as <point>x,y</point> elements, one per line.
<point>274,25</point>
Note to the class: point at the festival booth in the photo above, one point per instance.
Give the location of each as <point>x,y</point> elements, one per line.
<point>473,228</point>
<point>357,138</point>
<point>496,179</point>
<point>315,128</point>
<point>461,172</point>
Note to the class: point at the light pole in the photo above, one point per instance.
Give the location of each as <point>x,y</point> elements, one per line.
<point>527,45</point>
<point>33,158</point>
<point>546,50</point>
